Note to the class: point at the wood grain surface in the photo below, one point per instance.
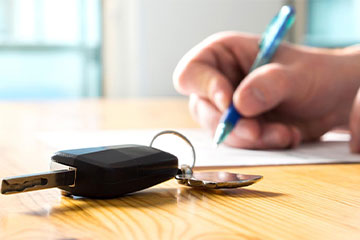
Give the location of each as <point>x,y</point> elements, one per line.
<point>291,202</point>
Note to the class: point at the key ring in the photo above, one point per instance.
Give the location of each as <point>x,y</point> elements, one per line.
<point>180,136</point>
<point>207,180</point>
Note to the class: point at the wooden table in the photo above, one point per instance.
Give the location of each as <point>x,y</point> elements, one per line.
<point>291,202</point>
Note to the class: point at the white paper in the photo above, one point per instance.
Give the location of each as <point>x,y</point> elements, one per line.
<point>332,149</point>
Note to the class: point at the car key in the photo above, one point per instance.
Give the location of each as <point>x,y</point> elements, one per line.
<point>101,172</point>
<point>113,171</point>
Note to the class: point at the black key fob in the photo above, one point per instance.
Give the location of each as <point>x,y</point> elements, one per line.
<point>112,171</point>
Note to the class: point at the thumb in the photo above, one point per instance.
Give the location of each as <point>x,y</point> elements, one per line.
<point>355,124</point>
<point>262,90</point>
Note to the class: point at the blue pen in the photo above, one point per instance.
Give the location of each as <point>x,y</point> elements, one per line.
<point>269,42</point>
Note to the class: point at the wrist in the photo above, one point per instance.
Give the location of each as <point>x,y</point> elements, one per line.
<point>342,66</point>
<point>337,73</point>
<point>350,61</point>
<point>346,70</point>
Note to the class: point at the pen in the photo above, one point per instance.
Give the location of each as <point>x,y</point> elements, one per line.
<point>268,44</point>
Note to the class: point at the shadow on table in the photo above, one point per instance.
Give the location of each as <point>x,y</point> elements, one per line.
<point>238,193</point>
<point>150,198</point>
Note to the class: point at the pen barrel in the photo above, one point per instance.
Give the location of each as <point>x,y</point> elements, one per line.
<point>268,45</point>
<point>231,115</point>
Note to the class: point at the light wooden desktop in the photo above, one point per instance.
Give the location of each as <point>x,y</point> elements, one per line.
<point>291,202</point>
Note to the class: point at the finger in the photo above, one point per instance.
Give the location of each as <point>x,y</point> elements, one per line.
<point>204,112</point>
<point>279,136</point>
<point>262,90</point>
<point>244,134</point>
<point>205,81</point>
<point>268,135</point>
<point>214,67</point>
<point>355,125</point>
<point>248,133</point>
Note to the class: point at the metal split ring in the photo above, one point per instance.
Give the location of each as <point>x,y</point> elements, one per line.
<point>180,136</point>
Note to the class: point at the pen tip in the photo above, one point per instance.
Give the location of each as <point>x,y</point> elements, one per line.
<point>222,132</point>
<point>216,144</point>
<point>219,137</point>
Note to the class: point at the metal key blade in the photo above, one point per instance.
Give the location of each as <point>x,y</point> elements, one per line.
<point>38,181</point>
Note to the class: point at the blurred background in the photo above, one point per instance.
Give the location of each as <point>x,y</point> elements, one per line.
<point>56,49</point>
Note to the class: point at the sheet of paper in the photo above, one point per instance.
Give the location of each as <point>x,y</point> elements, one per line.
<point>332,149</point>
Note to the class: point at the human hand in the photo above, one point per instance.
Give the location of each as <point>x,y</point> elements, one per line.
<point>302,94</point>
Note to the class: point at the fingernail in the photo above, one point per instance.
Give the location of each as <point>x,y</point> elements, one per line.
<point>220,100</point>
<point>271,138</point>
<point>297,137</point>
<point>243,132</point>
<point>258,95</point>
